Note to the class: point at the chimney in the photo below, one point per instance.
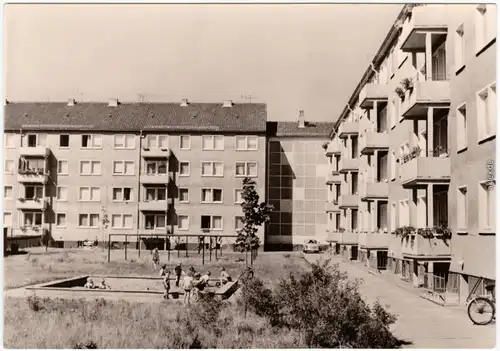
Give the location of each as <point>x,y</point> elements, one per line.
<point>228,103</point>
<point>184,102</point>
<point>302,122</point>
<point>113,102</point>
<point>71,102</point>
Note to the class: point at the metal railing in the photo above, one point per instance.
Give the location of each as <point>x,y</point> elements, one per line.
<point>436,283</point>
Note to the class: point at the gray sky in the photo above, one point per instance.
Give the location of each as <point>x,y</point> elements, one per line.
<point>290,56</point>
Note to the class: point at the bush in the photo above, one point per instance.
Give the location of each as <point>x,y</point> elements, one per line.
<point>259,299</point>
<point>34,302</point>
<point>86,345</point>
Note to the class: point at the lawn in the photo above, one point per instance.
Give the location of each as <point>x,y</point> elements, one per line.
<point>63,324</point>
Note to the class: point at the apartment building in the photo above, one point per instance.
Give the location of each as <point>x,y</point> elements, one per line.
<point>418,135</point>
<point>297,172</point>
<point>77,171</point>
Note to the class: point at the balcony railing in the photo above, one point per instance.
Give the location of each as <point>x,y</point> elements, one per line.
<point>154,205</point>
<point>348,238</point>
<point>31,204</point>
<point>332,207</point>
<point>348,128</point>
<point>424,170</point>
<point>348,201</point>
<point>372,92</point>
<point>155,152</point>
<point>415,246</point>
<point>334,148</point>
<point>348,164</point>
<point>370,141</point>
<point>333,179</point>
<point>32,176</point>
<point>34,151</point>
<point>372,190</point>
<point>435,283</point>
<point>374,240</point>
<point>154,178</point>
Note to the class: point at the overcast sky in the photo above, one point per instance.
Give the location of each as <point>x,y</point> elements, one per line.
<point>292,57</point>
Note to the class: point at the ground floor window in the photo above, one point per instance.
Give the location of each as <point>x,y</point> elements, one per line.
<point>154,221</point>
<point>211,222</point>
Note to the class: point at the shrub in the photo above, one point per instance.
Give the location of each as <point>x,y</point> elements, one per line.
<point>259,299</point>
<point>35,303</point>
<point>86,345</point>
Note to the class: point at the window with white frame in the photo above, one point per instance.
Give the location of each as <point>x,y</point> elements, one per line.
<point>185,142</point>
<point>88,220</point>
<point>211,222</point>
<point>485,25</point>
<point>62,167</point>
<point>212,169</point>
<point>212,142</point>
<point>62,193</point>
<point>122,194</point>
<point>459,48</point>
<point>184,169</point>
<point>91,141</point>
<point>157,141</point>
<point>246,169</point>
<point>64,140</point>
<point>33,192</point>
<point>88,167</point>
<point>461,127</point>
<point>239,222</point>
<point>121,221</point>
<point>89,193</point>
<point>486,206</point>
<point>34,140</point>
<point>462,208</point>
<point>61,220</point>
<point>7,192</point>
<point>9,141</point>
<point>486,101</point>
<point>182,222</point>
<point>158,193</point>
<point>210,195</point>
<point>7,219</point>
<point>238,196</point>
<point>183,195</point>
<point>123,168</point>
<point>156,167</point>
<point>393,216</point>
<point>9,166</point>
<point>32,219</point>
<point>246,142</point>
<point>124,141</point>
<point>155,221</point>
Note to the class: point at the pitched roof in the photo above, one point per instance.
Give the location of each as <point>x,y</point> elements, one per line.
<point>291,129</point>
<point>246,117</point>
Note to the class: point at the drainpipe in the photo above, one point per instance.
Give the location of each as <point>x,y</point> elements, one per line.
<point>139,186</point>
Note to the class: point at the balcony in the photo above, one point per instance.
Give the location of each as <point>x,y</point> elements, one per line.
<point>332,207</point>
<point>371,141</point>
<point>425,94</point>
<point>415,246</point>
<point>333,179</point>
<point>333,236</point>
<point>348,164</point>
<point>334,148</point>
<point>28,232</point>
<point>37,151</point>
<point>348,238</point>
<point>348,128</point>
<point>155,152</point>
<point>32,176</point>
<point>424,19</point>
<point>374,240</point>
<point>348,201</point>
<point>374,191</point>
<point>156,206</point>
<point>154,178</point>
<point>31,204</point>
<point>425,170</point>
<point>372,92</point>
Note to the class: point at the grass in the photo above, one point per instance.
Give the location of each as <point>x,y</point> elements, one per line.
<point>66,323</point>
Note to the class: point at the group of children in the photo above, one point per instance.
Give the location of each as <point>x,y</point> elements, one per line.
<point>90,284</point>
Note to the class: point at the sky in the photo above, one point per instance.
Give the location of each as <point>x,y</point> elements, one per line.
<point>292,57</point>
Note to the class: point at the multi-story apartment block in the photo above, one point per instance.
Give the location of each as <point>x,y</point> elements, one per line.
<point>417,152</point>
<point>146,167</point>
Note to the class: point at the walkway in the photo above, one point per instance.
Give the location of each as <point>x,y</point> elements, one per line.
<point>424,323</point>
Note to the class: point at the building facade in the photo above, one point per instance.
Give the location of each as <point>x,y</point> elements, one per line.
<point>416,143</point>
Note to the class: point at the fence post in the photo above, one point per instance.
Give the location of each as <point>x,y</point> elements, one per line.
<point>109,248</point>
<point>203,252</point>
<point>126,244</point>
<point>210,248</point>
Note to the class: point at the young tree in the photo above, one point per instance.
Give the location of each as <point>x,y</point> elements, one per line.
<point>255,215</point>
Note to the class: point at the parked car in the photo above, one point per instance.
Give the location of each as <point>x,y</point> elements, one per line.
<point>311,246</point>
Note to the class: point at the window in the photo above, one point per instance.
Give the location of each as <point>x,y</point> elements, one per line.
<point>156,167</point>
<point>9,141</point>
<point>33,192</point>
<point>90,167</point>
<point>64,140</point>
<point>247,143</point>
<point>212,142</point>
<point>485,25</point>
<point>184,169</point>
<point>122,194</point>
<point>238,196</point>
<point>393,216</point>
<point>33,140</point>
<point>124,141</point>
<point>459,48</point>
<point>62,193</point>
<point>185,142</point>
<point>157,141</point>
<point>87,193</point>
<point>486,112</point>
<point>183,195</point>
<point>9,166</point>
<point>246,169</point>
<point>156,193</point>
<point>91,141</point>
<point>462,208</point>
<point>61,220</point>
<point>155,221</point>
<point>7,192</point>
<point>487,206</point>
<point>238,222</point>
<point>211,222</point>
<point>7,219</point>
<point>123,168</point>
<point>182,222</point>
<point>393,165</point>
<point>212,169</point>
<point>32,219</point>
<point>62,167</point>
<point>123,221</point>
<point>354,219</point>
<point>211,195</point>
<point>88,220</point>
<point>461,127</point>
